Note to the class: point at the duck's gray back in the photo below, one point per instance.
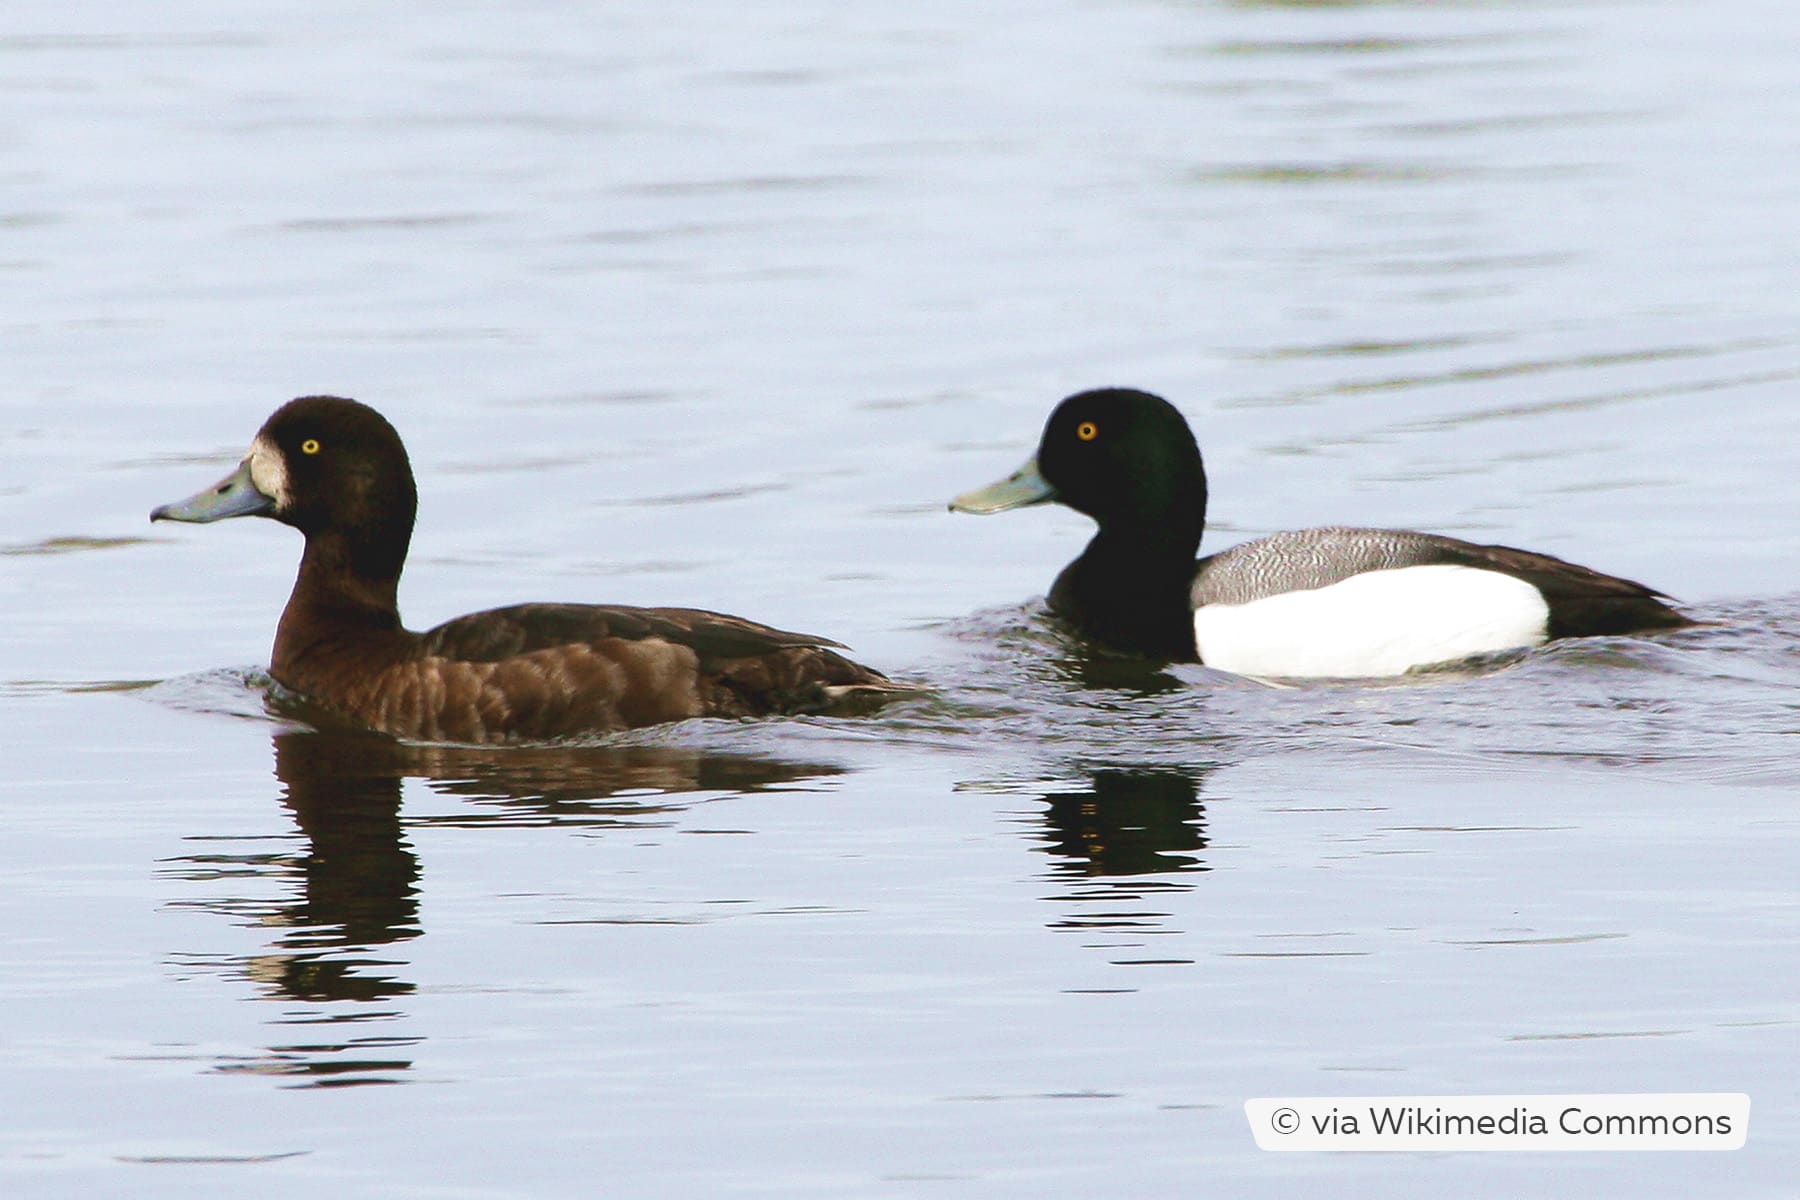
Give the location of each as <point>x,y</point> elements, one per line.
<point>1303,559</point>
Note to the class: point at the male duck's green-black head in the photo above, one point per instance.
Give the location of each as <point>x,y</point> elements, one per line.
<point>1125,458</point>
<point>333,469</point>
<point>1128,460</point>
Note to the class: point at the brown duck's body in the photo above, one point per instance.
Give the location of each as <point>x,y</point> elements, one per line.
<point>336,470</point>
<point>535,672</point>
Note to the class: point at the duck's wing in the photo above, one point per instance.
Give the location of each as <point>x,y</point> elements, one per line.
<point>525,628</point>
<point>1583,602</point>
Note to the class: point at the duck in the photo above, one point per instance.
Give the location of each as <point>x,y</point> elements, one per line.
<point>337,471</point>
<point>1331,602</point>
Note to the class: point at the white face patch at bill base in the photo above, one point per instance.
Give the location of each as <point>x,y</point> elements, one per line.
<point>268,471</point>
<point>1373,624</point>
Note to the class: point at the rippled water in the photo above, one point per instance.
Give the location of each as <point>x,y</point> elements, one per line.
<point>720,311</point>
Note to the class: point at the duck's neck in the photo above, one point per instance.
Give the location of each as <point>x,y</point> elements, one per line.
<point>1131,589</point>
<point>344,602</point>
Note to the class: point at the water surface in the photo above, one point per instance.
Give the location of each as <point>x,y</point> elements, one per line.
<point>720,312</point>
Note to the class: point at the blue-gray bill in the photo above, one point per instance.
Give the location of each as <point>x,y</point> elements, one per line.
<point>234,496</point>
<point>1024,486</point>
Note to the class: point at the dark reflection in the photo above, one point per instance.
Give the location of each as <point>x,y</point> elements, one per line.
<point>592,785</point>
<point>1128,822</point>
<point>1032,633</point>
<point>358,876</point>
<point>1121,842</point>
<point>1094,668</point>
<point>352,885</point>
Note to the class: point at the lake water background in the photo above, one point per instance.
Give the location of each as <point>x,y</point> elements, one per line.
<point>718,307</point>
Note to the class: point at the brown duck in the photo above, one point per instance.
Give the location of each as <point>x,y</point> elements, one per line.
<point>336,470</point>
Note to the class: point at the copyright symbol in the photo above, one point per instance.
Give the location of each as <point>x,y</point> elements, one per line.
<point>1284,1120</point>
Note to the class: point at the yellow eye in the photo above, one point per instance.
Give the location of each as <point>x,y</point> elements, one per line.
<point>1087,431</point>
<point>309,446</point>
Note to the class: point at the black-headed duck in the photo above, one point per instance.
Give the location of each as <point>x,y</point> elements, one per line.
<point>336,470</point>
<point>1315,603</point>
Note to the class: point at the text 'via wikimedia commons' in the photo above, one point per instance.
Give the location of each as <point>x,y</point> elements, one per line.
<point>1651,1121</point>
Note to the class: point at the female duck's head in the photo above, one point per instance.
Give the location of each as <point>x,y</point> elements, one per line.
<point>333,469</point>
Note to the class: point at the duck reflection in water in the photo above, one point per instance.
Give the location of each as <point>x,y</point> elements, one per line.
<point>1121,842</point>
<point>1128,821</point>
<point>358,876</point>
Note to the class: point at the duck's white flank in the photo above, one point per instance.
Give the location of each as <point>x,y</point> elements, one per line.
<point>1376,623</point>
